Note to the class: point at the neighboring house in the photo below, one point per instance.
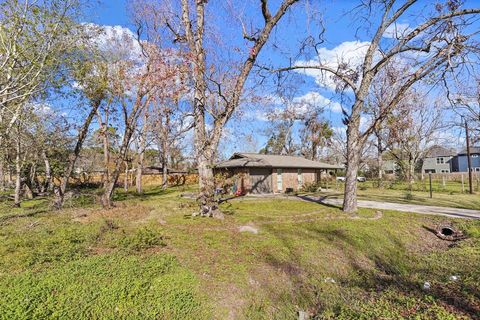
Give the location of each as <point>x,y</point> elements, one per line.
<point>261,173</point>
<point>438,160</point>
<point>390,166</point>
<point>460,162</point>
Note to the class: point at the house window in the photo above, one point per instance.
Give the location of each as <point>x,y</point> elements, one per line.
<point>299,178</point>
<point>279,180</point>
<point>440,161</point>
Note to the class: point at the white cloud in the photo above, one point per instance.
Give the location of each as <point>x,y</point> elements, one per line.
<point>116,42</point>
<point>298,106</point>
<point>314,99</point>
<point>397,31</point>
<point>41,108</point>
<point>351,53</point>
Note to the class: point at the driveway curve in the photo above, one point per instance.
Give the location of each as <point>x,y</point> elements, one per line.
<point>432,210</point>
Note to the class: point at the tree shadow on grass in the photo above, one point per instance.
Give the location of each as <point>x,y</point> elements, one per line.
<point>390,267</point>
<point>5,219</point>
<point>319,201</point>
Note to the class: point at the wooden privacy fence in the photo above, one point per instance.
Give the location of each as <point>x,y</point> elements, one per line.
<point>174,179</point>
<point>452,176</point>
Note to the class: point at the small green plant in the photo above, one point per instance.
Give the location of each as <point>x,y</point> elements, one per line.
<point>141,239</point>
<point>408,196</point>
<point>311,187</point>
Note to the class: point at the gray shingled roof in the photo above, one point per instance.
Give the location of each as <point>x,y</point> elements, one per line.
<point>439,151</point>
<point>473,150</point>
<point>272,161</point>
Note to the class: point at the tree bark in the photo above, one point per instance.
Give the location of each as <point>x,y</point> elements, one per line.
<point>60,193</point>
<point>106,146</point>
<point>139,172</point>
<point>164,171</point>
<point>130,124</point>
<point>32,181</point>
<point>125,181</point>
<point>165,152</point>
<point>48,173</point>
<point>9,176</point>
<point>380,162</point>
<point>411,174</point>
<point>354,149</point>
<point>141,154</point>
<point>2,174</point>
<point>18,172</point>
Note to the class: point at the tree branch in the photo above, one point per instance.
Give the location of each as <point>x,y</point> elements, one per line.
<point>265,12</point>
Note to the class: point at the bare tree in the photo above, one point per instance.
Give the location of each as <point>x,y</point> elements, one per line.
<point>432,46</point>
<point>413,128</point>
<point>187,24</point>
<point>91,78</point>
<point>316,134</point>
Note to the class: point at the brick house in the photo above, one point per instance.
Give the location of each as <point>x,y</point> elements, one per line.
<point>261,173</point>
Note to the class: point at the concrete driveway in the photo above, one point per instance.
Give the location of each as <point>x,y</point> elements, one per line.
<point>439,211</point>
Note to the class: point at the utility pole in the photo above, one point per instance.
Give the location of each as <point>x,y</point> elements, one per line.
<point>469,160</point>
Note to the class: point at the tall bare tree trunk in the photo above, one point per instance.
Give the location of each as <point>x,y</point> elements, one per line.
<point>354,149</point>
<point>32,181</point>
<point>125,181</point>
<point>9,176</point>
<point>380,162</point>
<point>411,173</point>
<point>2,174</point>
<point>122,157</point>
<point>48,173</point>
<point>141,153</point>
<point>72,159</point>
<point>18,172</point>
<point>106,146</point>
<point>165,153</point>
<point>139,172</point>
<point>165,170</point>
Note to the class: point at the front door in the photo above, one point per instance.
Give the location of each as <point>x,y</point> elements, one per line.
<point>261,180</point>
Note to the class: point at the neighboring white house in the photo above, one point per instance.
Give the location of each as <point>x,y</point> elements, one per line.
<point>438,160</point>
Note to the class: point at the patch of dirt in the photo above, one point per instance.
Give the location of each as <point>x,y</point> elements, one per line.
<point>99,250</point>
<point>230,299</point>
<point>427,242</point>
<point>378,215</point>
<point>132,212</point>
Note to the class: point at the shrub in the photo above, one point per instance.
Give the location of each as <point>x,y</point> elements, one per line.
<point>408,196</point>
<point>311,187</point>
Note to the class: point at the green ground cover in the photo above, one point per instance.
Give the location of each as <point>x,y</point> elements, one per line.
<point>149,259</point>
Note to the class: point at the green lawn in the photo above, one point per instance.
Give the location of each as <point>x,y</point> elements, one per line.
<point>148,259</point>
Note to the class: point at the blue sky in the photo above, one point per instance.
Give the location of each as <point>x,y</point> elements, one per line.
<point>341,31</point>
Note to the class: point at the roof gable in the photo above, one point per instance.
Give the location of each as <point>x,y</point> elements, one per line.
<point>243,159</point>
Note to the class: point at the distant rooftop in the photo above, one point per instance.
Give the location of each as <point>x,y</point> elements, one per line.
<point>473,150</point>
<point>257,160</point>
<point>439,151</point>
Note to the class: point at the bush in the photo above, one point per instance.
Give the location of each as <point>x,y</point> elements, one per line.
<point>408,196</point>
<point>311,187</point>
